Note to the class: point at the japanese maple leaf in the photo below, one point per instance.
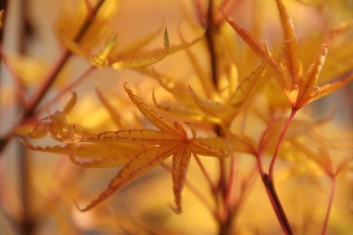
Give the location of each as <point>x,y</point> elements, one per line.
<point>170,140</point>
<point>131,56</point>
<point>301,88</point>
<point>73,16</point>
<point>150,148</point>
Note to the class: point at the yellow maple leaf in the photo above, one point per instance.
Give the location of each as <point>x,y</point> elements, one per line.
<point>54,125</point>
<point>140,150</point>
<point>131,56</point>
<point>218,110</point>
<point>172,139</point>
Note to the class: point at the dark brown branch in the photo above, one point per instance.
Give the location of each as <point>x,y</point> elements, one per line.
<point>210,34</point>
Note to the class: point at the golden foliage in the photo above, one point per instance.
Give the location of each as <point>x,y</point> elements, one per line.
<point>215,98</point>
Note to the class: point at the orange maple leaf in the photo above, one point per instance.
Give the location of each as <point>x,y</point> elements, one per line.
<point>172,139</point>
<point>300,88</point>
<point>150,148</point>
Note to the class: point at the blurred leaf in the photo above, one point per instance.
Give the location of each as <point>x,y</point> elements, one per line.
<point>31,70</point>
<point>72,16</point>
<point>291,50</point>
<point>143,59</point>
<point>249,87</point>
<point>311,2</point>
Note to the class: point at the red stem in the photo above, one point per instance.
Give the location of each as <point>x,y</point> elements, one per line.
<point>279,143</point>
<point>330,203</point>
<point>230,182</point>
<point>20,89</point>
<point>68,88</point>
<point>271,192</point>
<point>276,204</point>
<point>268,179</point>
<point>64,56</point>
<point>246,187</point>
<point>36,98</point>
<point>222,182</point>
<point>205,173</point>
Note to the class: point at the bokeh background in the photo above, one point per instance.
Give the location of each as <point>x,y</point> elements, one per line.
<point>40,188</point>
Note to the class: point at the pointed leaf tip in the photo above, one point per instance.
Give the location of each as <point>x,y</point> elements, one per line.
<point>103,58</point>
<point>291,50</point>
<point>331,88</point>
<point>145,58</point>
<point>176,209</point>
<point>166,39</point>
<point>78,207</point>
<point>154,117</point>
<point>69,106</point>
<point>250,86</point>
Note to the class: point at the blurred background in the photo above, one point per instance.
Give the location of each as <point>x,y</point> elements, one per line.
<point>37,190</point>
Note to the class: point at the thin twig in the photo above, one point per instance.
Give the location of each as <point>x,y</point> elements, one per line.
<point>247,185</point>
<point>279,142</point>
<point>276,204</point>
<point>63,58</point>
<point>271,190</point>
<point>205,173</point>
<point>20,89</point>
<point>210,32</point>
<point>330,204</point>
<point>49,79</point>
<point>70,87</point>
<point>230,181</point>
